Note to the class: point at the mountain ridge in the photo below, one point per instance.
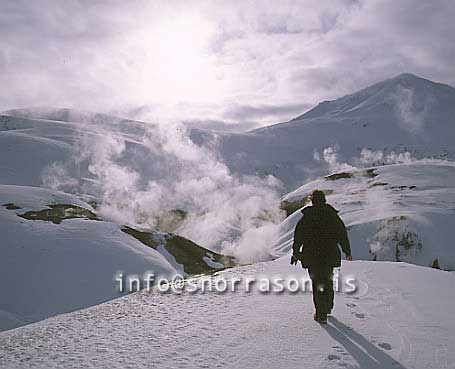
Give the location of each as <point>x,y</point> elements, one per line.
<point>406,80</point>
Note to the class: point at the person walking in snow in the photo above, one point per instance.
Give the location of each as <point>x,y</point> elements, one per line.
<point>316,238</point>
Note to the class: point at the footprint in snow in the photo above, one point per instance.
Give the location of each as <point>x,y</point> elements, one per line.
<point>352,297</point>
<point>385,346</point>
<point>340,350</point>
<point>360,315</point>
<point>333,357</point>
<point>351,305</point>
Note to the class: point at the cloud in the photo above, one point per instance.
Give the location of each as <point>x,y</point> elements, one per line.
<point>219,125</point>
<point>228,117</point>
<point>238,112</point>
<point>244,61</point>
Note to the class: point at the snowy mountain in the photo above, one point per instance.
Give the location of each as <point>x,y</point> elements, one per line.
<point>401,114</point>
<point>56,139</point>
<point>398,212</point>
<point>384,324</point>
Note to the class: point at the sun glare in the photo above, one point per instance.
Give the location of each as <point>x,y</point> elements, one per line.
<point>179,62</point>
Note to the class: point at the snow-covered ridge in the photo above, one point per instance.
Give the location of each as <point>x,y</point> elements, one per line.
<point>57,255</point>
<point>67,115</point>
<point>375,98</point>
<point>399,212</point>
<point>398,319</point>
<point>402,114</point>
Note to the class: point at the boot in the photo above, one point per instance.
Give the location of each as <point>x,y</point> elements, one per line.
<point>322,319</point>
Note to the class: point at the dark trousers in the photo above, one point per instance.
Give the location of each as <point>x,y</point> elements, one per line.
<point>322,284</point>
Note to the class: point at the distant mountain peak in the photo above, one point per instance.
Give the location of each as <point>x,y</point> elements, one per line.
<point>410,80</point>
<point>407,76</point>
<point>380,94</point>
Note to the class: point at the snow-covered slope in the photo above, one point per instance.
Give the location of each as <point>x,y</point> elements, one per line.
<point>58,256</point>
<point>56,141</point>
<point>48,268</point>
<point>402,114</point>
<point>399,212</point>
<point>67,115</point>
<point>396,320</point>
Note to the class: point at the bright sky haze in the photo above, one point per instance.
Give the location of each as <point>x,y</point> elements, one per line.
<point>215,63</point>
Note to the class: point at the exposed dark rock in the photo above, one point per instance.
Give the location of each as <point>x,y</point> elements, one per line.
<point>184,251</point>
<point>11,206</point>
<point>59,212</point>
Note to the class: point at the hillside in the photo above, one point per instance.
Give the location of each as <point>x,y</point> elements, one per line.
<point>59,256</point>
<point>401,114</point>
<point>398,212</point>
<point>396,319</point>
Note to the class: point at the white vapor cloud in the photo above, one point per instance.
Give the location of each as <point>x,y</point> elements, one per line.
<point>411,111</point>
<point>330,158</point>
<point>370,157</point>
<point>144,182</point>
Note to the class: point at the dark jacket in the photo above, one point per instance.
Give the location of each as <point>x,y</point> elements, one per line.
<point>317,236</point>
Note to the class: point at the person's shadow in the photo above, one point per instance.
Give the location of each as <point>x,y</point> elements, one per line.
<point>363,351</point>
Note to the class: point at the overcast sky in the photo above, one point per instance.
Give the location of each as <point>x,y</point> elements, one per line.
<point>222,62</point>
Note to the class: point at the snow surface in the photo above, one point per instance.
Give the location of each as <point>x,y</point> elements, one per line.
<point>48,269</point>
<point>56,141</point>
<point>414,200</point>
<point>60,267</point>
<point>400,318</point>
